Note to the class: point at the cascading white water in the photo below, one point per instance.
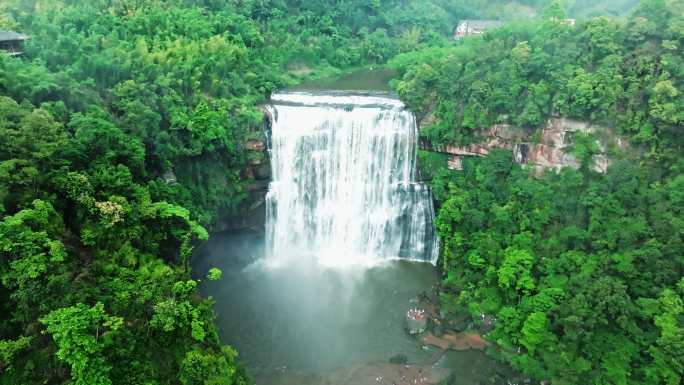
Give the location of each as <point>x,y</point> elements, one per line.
<point>343,190</point>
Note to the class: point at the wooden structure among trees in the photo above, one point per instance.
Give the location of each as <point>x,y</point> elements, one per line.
<point>475,27</point>
<point>12,42</point>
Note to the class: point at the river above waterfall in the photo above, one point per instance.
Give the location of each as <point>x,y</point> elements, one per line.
<point>376,79</point>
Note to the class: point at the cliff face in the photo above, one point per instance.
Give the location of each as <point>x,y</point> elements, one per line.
<point>550,150</point>
<point>251,215</point>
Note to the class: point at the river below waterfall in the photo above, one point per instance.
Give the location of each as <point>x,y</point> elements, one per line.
<point>306,325</point>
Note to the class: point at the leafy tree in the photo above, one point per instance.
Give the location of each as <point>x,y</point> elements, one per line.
<point>82,335</point>
<point>10,348</point>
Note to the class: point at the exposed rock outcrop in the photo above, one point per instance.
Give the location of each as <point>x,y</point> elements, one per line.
<point>170,177</point>
<point>456,341</point>
<point>549,150</point>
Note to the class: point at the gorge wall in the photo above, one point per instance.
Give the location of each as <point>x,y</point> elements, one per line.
<point>251,215</point>
<point>547,148</point>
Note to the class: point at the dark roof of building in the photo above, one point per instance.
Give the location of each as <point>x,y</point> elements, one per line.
<point>12,36</point>
<point>482,24</point>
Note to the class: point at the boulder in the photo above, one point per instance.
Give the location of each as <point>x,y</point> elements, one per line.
<point>416,321</point>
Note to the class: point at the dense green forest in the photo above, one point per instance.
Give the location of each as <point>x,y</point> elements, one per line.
<point>112,101</point>
<point>583,271</point>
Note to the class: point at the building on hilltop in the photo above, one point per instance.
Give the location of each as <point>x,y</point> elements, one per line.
<point>12,42</point>
<point>475,27</point>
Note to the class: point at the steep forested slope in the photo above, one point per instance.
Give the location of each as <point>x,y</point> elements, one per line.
<point>583,272</point>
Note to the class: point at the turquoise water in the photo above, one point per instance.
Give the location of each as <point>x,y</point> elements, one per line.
<point>303,325</point>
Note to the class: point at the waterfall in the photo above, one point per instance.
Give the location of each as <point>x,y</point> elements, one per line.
<point>344,190</point>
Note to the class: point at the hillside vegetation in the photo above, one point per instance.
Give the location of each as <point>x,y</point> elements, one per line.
<point>583,272</point>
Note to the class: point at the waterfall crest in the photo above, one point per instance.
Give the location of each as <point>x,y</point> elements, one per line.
<point>343,190</point>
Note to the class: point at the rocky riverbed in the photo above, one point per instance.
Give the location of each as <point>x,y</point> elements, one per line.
<point>436,328</point>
